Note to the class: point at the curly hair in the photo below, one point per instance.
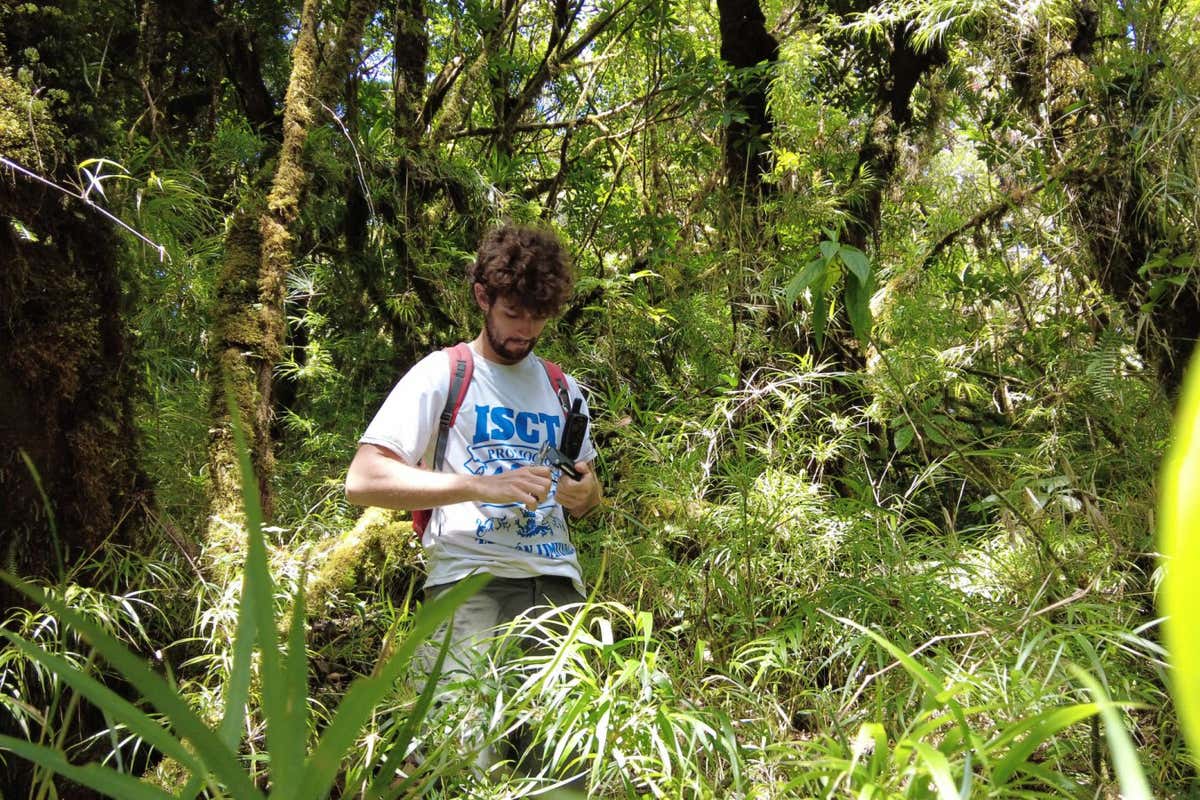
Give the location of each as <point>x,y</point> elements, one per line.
<point>526,265</point>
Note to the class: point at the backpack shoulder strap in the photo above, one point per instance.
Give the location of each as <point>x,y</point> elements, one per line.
<point>462,367</point>
<point>558,382</point>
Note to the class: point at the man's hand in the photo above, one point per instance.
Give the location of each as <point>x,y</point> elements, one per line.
<point>579,496</point>
<point>526,485</point>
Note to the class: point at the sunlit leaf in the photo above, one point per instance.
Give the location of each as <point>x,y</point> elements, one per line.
<point>858,308</point>
<point>1125,759</point>
<point>856,261</point>
<point>804,279</point>
<point>1179,542</point>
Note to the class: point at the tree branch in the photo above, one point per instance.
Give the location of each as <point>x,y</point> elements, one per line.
<point>588,119</point>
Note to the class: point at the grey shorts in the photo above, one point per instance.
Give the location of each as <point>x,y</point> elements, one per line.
<point>477,621</point>
<point>477,639</point>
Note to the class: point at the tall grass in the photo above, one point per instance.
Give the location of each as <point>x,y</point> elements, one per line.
<point>210,754</point>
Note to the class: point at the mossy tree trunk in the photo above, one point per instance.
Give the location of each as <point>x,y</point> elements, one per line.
<point>250,324</point>
<point>69,472</point>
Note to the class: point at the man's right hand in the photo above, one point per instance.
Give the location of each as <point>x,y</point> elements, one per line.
<point>528,486</point>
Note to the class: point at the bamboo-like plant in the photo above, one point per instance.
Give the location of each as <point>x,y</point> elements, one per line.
<point>211,754</point>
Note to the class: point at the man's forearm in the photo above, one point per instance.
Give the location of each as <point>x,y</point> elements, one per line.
<point>387,482</point>
<point>378,478</point>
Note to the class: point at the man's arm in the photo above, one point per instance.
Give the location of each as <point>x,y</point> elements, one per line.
<point>579,497</point>
<point>378,477</point>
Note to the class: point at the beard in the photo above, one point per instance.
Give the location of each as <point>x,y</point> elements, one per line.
<point>511,350</point>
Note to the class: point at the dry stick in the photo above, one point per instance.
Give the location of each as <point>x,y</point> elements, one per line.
<point>623,162</point>
<point>15,167</point>
<point>588,119</point>
<point>1006,203</point>
<point>564,162</point>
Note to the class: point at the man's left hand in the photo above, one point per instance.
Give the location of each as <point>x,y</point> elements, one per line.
<point>579,496</point>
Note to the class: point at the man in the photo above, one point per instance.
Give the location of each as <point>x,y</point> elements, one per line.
<point>495,510</point>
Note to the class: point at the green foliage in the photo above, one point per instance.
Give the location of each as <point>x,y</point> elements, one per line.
<point>602,702</point>
<point>208,753</point>
<point>821,274</point>
<point>831,569</point>
<point>1180,547</point>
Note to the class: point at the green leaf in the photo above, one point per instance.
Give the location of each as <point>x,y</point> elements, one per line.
<point>879,755</point>
<point>102,779</point>
<point>107,700</point>
<point>820,315</point>
<point>856,261</point>
<point>939,769</point>
<point>1125,760</point>
<point>399,745</point>
<point>805,278</point>
<point>365,693</point>
<point>932,682</point>
<point>287,751</point>
<point>829,250</point>
<point>1179,542</point>
<point>237,688</point>
<point>218,758</point>
<point>258,590</point>
<point>858,308</point>
<point>936,436</point>
<point>903,437</point>
<point>1040,728</point>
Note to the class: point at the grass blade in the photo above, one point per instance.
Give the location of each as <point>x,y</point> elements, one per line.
<point>107,701</point>
<point>287,753</point>
<point>237,688</point>
<point>1041,728</point>
<point>1179,542</point>
<point>218,758</point>
<point>379,787</point>
<point>102,779</point>
<point>259,591</point>
<point>939,769</point>
<point>1124,753</point>
<point>363,695</point>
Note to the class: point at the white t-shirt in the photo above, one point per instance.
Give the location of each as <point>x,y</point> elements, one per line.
<point>508,412</point>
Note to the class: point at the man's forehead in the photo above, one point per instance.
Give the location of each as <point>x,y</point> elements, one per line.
<point>512,303</point>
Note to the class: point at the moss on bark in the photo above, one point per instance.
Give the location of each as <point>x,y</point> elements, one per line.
<point>246,348</point>
<point>67,378</point>
<point>381,548</point>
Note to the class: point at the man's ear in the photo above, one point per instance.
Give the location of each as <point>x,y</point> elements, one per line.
<point>481,297</point>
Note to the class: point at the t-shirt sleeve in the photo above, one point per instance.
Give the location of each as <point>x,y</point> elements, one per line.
<point>587,452</point>
<point>406,423</point>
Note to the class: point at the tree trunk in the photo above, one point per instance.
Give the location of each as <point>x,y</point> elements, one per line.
<point>751,52</point>
<point>745,45</point>
<point>250,324</point>
<point>904,66</point>
<point>69,470</point>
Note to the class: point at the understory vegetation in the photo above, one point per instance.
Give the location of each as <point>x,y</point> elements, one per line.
<point>880,399</point>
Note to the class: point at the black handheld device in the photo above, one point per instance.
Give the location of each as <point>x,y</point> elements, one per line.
<point>574,430</point>
<point>563,457</point>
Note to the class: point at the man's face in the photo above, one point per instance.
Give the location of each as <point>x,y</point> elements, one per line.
<point>512,331</point>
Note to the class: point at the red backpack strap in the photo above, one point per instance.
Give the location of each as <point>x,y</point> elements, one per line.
<point>462,367</point>
<point>558,382</point>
